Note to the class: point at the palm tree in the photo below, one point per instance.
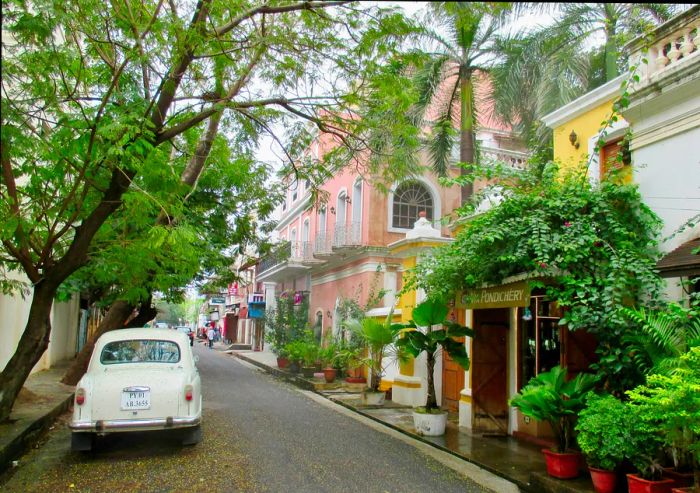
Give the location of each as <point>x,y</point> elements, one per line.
<point>543,70</point>
<point>445,81</point>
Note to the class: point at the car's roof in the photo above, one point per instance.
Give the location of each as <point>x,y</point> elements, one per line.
<point>143,333</point>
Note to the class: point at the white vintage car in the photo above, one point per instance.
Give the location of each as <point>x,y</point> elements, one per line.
<point>138,379</point>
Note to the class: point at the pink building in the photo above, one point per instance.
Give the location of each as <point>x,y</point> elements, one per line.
<point>338,249</point>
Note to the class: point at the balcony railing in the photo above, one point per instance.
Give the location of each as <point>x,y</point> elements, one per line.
<point>514,159</point>
<point>291,251</point>
<point>323,244</point>
<point>671,45</point>
<point>349,234</point>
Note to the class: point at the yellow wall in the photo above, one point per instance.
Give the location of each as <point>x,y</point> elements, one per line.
<point>586,126</point>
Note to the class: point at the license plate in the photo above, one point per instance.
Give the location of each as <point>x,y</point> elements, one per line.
<point>132,401</point>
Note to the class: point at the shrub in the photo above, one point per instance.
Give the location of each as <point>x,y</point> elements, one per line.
<point>603,432</point>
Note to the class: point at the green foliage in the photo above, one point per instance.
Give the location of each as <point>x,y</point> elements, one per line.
<point>550,397</point>
<point>287,322</point>
<point>599,245</point>
<point>377,338</point>
<point>602,431</point>
<point>670,404</point>
<point>666,334</point>
<point>413,342</point>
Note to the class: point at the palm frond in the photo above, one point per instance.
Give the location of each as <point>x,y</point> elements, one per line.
<point>441,143</point>
<point>427,82</point>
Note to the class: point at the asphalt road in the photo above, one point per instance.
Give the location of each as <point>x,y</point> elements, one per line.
<point>260,435</point>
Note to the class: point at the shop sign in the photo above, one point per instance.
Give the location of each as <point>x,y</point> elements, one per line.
<point>217,300</point>
<point>509,295</point>
<point>233,289</point>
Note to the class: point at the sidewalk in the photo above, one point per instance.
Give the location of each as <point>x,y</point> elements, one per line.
<point>40,402</point>
<point>516,461</point>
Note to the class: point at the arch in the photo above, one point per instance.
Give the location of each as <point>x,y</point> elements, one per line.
<point>305,230</point>
<point>410,197</point>
<point>322,219</point>
<point>341,208</point>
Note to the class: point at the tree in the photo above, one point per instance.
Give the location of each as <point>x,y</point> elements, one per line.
<point>445,82</point>
<point>95,97</point>
<point>540,71</point>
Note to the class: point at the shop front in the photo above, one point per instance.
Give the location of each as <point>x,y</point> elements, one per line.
<point>517,336</point>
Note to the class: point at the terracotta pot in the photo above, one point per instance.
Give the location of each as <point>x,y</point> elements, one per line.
<point>603,481</point>
<point>329,374</point>
<point>640,485</point>
<point>356,379</point>
<point>282,362</point>
<point>680,479</point>
<point>562,466</point>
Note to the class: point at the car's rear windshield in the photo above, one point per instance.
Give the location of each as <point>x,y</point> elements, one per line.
<point>140,351</point>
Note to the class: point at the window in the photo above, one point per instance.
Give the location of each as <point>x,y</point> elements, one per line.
<point>322,220</point>
<point>409,199</point>
<point>140,351</point>
<point>294,193</point>
<point>357,201</point>
<point>541,338</point>
<point>611,164</point>
<point>340,210</point>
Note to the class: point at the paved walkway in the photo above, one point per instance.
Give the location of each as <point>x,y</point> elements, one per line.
<point>519,462</point>
<point>40,402</point>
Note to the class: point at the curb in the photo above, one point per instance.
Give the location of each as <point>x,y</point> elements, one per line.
<point>308,386</point>
<point>22,442</point>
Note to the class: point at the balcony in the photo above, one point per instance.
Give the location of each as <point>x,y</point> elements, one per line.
<point>290,259</point>
<point>513,159</point>
<point>668,60</point>
<point>323,246</point>
<point>347,236</point>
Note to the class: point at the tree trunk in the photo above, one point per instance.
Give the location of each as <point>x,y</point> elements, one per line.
<point>116,317</point>
<point>466,130</point>
<point>432,400</point>
<point>34,341</point>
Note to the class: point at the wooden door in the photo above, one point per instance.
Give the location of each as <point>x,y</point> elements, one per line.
<point>490,371</point>
<point>452,381</point>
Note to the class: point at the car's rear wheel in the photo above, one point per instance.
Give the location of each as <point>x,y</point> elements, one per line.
<point>82,442</point>
<point>192,436</point>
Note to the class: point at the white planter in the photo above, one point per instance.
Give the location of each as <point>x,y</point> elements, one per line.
<point>373,398</point>
<point>431,425</point>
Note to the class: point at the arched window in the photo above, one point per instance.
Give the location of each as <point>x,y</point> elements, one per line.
<point>410,198</point>
<point>322,220</point>
<point>357,201</point>
<point>341,208</point>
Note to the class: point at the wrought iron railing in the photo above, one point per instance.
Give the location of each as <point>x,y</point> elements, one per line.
<point>324,243</point>
<point>349,234</point>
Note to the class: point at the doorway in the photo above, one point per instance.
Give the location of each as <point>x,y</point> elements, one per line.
<point>490,370</point>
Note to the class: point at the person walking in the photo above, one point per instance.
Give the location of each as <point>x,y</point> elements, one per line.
<point>210,336</point>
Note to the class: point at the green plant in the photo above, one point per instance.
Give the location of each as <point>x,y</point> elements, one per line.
<point>670,405</point>
<point>413,342</point>
<point>549,397</point>
<point>602,431</point>
<point>377,337</point>
<point>286,322</point>
<point>295,350</point>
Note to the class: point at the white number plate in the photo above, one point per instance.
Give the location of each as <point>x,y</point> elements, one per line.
<point>136,400</point>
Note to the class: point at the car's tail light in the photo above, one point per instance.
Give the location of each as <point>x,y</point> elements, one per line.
<point>80,397</point>
<point>188,392</point>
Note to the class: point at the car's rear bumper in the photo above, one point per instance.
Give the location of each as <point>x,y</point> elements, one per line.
<point>103,426</point>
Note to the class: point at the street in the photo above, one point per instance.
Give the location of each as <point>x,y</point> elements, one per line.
<point>259,435</point>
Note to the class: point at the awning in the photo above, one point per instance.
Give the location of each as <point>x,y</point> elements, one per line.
<point>681,262</point>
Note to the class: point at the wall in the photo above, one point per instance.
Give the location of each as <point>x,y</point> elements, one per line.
<point>585,126</point>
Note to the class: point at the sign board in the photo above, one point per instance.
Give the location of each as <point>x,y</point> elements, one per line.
<point>233,289</point>
<point>508,295</point>
<point>217,300</point>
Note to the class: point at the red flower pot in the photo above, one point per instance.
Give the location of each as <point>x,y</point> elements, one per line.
<point>680,479</point>
<point>640,485</point>
<point>329,374</point>
<point>603,481</point>
<point>282,362</point>
<point>562,466</point>
<point>356,379</point>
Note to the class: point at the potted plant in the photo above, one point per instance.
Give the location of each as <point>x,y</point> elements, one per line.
<point>431,420</point>
<point>601,436</point>
<point>309,356</point>
<point>295,351</point>
<point>377,338</point>
<point>348,360</point>
<point>550,397</point>
<point>327,355</point>
<point>669,407</point>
